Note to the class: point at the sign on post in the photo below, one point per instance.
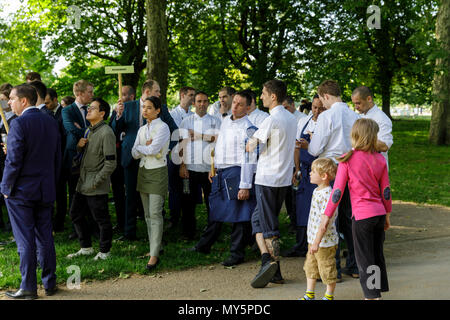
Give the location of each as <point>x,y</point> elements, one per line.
<point>119,70</point>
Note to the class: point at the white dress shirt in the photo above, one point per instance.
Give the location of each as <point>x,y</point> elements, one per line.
<point>331,136</point>
<point>384,124</point>
<point>197,153</point>
<point>257,117</point>
<point>276,160</point>
<point>230,149</point>
<point>309,128</point>
<point>298,115</point>
<point>179,114</point>
<point>158,141</point>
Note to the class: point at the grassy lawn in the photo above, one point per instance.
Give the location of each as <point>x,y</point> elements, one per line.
<point>418,172</point>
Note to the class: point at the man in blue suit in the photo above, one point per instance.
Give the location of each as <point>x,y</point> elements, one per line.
<point>32,164</point>
<point>127,122</point>
<point>75,124</point>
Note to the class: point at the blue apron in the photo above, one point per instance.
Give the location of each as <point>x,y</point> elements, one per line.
<point>305,188</point>
<point>224,210</point>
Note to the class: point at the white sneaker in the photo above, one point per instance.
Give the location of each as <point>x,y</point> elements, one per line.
<point>81,252</point>
<point>102,256</point>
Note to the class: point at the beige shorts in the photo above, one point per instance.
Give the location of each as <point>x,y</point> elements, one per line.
<point>322,265</point>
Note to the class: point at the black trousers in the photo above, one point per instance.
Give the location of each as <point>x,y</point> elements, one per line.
<point>61,200</point>
<point>344,226</point>
<point>97,206</point>
<point>118,189</point>
<point>241,236</point>
<point>368,236</point>
<point>198,182</point>
<point>301,238</point>
<point>290,203</point>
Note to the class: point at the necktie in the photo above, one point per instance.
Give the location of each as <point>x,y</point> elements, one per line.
<point>85,114</point>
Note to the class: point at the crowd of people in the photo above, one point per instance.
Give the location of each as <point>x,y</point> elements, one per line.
<point>325,162</point>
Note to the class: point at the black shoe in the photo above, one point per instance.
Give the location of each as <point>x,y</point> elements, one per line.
<point>73,236</point>
<point>232,261</point>
<point>277,278</point>
<point>22,294</point>
<point>264,275</point>
<point>354,275</point>
<point>150,267</point>
<point>292,253</point>
<point>52,291</point>
<point>195,249</point>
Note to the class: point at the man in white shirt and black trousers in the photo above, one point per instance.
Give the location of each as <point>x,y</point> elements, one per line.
<point>273,178</point>
<point>331,139</point>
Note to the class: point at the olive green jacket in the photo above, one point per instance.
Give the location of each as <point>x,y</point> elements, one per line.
<point>98,162</point>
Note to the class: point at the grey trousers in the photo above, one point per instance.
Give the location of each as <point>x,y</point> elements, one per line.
<point>153,205</point>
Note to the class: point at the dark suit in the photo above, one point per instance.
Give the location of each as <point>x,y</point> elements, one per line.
<point>32,165</point>
<point>71,115</point>
<point>61,190</point>
<point>129,123</point>
<point>2,167</point>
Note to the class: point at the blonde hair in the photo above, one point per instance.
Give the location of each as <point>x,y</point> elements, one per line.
<point>325,165</point>
<point>81,86</point>
<point>364,137</point>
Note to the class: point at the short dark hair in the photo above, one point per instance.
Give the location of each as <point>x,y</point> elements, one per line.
<point>330,87</point>
<point>148,84</point>
<point>26,91</point>
<point>200,92</point>
<point>278,88</point>
<point>251,93</point>
<point>68,100</point>
<point>363,92</point>
<point>316,96</point>
<point>246,95</point>
<point>156,103</point>
<point>184,90</point>
<point>103,106</point>
<point>6,89</point>
<point>131,90</point>
<point>32,76</point>
<point>40,87</point>
<point>230,91</point>
<point>289,100</point>
<point>52,93</point>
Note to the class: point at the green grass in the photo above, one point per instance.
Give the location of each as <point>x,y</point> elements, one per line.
<point>419,172</point>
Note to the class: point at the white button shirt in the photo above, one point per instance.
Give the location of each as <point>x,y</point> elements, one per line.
<point>159,140</point>
<point>230,149</point>
<point>197,153</point>
<point>298,115</point>
<point>309,128</point>
<point>384,124</point>
<point>214,110</point>
<point>257,117</point>
<point>276,161</point>
<point>179,114</point>
<point>331,137</point>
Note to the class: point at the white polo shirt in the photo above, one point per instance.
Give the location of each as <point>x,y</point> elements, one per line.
<point>384,124</point>
<point>331,136</point>
<point>276,161</point>
<point>197,153</point>
<point>257,117</point>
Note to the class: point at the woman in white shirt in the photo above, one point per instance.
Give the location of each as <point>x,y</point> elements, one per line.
<point>151,147</point>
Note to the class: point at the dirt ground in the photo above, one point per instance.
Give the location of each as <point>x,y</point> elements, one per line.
<point>417,252</point>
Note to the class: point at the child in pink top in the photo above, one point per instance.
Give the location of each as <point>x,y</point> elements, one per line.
<point>365,170</point>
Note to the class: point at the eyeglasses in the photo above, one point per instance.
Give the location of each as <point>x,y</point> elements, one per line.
<point>92,108</point>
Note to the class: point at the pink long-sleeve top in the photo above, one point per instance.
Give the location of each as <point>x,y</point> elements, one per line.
<point>368,183</point>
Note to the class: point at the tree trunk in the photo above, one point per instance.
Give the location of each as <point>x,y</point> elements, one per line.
<point>386,88</point>
<point>157,57</point>
<point>440,117</point>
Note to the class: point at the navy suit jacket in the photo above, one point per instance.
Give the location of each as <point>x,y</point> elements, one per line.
<point>70,115</point>
<point>129,123</point>
<point>33,158</point>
